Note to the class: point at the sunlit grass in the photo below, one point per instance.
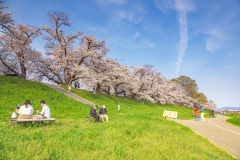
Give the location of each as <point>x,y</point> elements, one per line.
<point>137,131</point>
<point>235,120</point>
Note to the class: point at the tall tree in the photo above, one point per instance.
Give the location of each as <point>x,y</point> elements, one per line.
<point>146,77</point>
<point>6,20</point>
<point>65,62</point>
<point>16,53</point>
<point>189,85</point>
<point>120,78</point>
<point>107,76</point>
<point>97,75</point>
<point>201,98</point>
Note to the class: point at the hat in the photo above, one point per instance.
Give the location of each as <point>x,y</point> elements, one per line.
<point>103,106</point>
<point>42,101</point>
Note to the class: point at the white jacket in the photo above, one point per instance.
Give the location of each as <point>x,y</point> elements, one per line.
<point>26,110</point>
<point>45,111</point>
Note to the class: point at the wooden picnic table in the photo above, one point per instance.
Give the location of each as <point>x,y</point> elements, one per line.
<point>14,121</point>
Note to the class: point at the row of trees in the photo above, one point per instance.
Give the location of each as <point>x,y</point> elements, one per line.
<point>81,57</point>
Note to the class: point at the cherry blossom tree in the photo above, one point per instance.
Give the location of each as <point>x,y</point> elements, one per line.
<point>16,53</point>
<point>209,105</point>
<point>146,78</point>
<point>64,62</point>
<point>107,76</point>
<point>6,20</point>
<point>120,79</point>
<point>97,74</point>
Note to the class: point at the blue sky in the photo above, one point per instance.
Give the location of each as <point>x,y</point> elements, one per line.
<point>196,38</point>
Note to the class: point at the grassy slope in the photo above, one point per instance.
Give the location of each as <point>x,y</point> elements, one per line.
<point>137,132</point>
<point>235,120</point>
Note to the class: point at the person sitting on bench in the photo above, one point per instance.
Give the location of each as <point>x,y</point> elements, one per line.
<point>103,113</point>
<point>45,110</point>
<point>26,110</point>
<point>93,113</point>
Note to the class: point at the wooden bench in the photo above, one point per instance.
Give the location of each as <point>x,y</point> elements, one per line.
<point>88,118</point>
<point>14,121</point>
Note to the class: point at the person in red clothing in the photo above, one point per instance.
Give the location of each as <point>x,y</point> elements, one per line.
<point>196,112</point>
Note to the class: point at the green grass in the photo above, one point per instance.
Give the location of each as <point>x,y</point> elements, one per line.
<point>235,120</point>
<point>137,131</point>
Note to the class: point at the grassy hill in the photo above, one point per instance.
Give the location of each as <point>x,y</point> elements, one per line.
<point>137,131</point>
<point>235,120</point>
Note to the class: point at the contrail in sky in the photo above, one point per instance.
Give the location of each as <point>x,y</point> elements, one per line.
<point>182,7</point>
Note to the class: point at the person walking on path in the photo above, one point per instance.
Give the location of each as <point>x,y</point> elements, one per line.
<point>196,112</point>
<point>210,114</point>
<point>103,113</point>
<point>213,114</point>
<point>93,113</point>
<point>202,113</point>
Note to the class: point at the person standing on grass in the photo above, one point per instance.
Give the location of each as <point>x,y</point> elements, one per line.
<point>93,113</point>
<point>45,110</point>
<point>26,111</point>
<point>103,113</point>
<point>196,112</point>
<point>69,88</point>
<point>202,113</point>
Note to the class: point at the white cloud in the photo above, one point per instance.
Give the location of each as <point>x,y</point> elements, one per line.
<point>164,5</point>
<point>111,2</point>
<point>220,24</point>
<point>181,5</point>
<point>99,29</point>
<point>136,35</point>
<point>145,43</point>
<point>131,16</point>
<point>213,44</point>
<point>217,37</point>
<point>184,5</point>
<point>218,32</point>
<point>125,15</point>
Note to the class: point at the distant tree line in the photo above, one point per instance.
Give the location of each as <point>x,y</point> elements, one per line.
<point>78,57</point>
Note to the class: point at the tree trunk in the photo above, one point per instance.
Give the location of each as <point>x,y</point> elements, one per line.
<point>23,74</point>
<point>98,88</point>
<point>108,90</point>
<point>115,89</point>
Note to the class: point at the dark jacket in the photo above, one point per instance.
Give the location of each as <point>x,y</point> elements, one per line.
<point>93,111</point>
<point>103,111</point>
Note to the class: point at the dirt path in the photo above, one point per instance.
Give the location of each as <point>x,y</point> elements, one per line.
<point>69,94</point>
<point>220,133</point>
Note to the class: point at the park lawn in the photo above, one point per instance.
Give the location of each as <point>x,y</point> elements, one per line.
<point>131,105</point>
<point>235,120</point>
<point>137,131</point>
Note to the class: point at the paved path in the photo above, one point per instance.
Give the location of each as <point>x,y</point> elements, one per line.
<point>219,132</point>
<point>69,94</point>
